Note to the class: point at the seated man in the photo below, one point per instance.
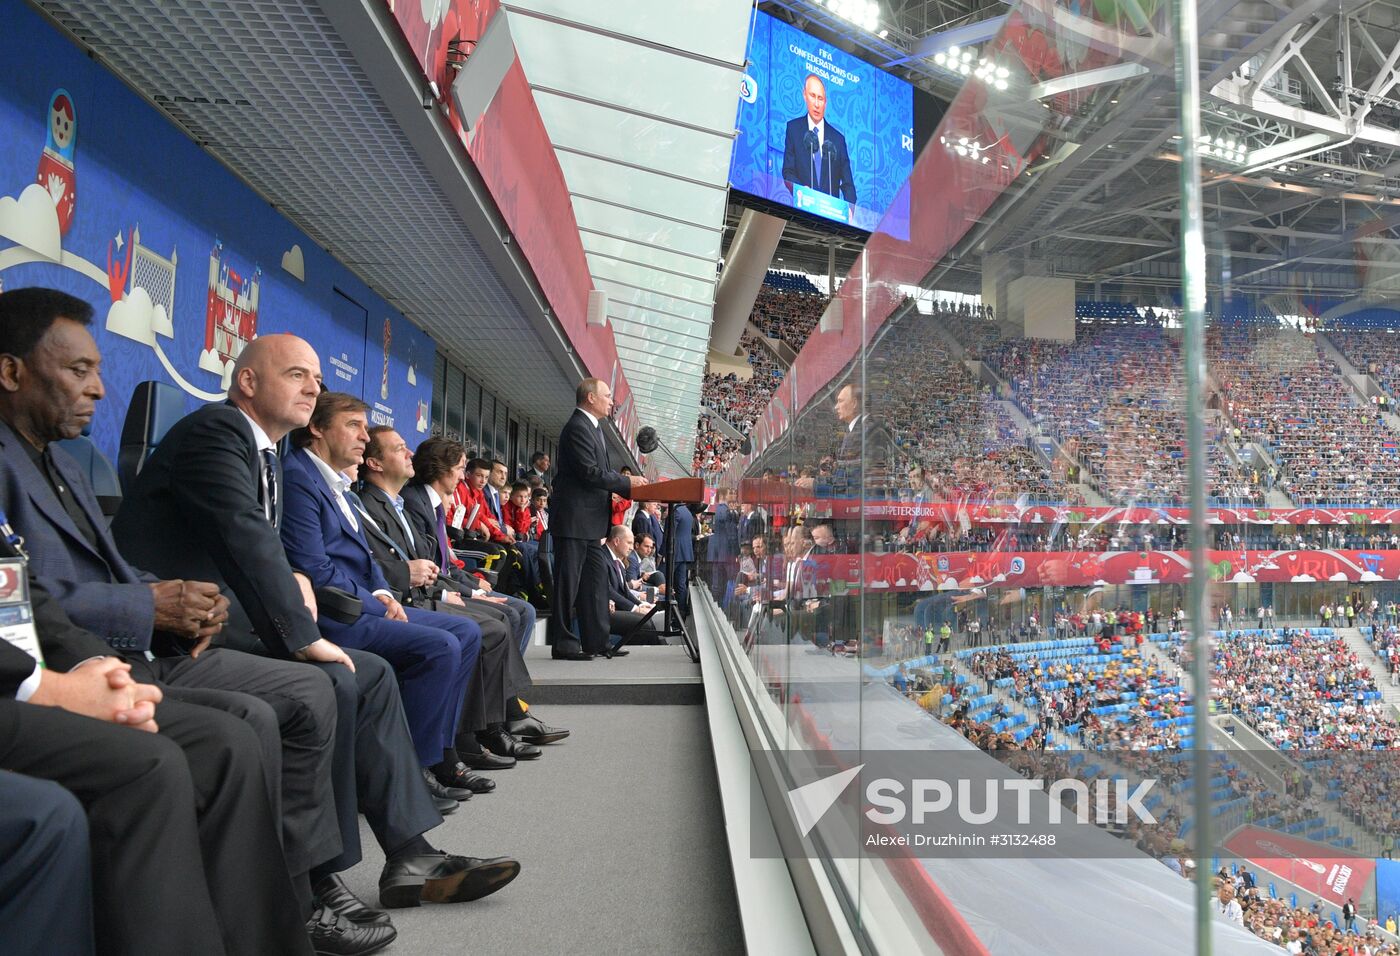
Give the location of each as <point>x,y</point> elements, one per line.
<point>642,567</point>
<point>626,608</point>
<point>437,470</point>
<point>174,793</point>
<point>434,655</point>
<point>506,623</point>
<point>164,626</point>
<point>472,524</point>
<point>208,504</point>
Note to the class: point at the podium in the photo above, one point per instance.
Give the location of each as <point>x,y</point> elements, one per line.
<point>677,491</point>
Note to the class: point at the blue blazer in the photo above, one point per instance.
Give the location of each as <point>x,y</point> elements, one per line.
<point>724,542</point>
<point>97,588</point>
<point>320,542</point>
<point>684,530</point>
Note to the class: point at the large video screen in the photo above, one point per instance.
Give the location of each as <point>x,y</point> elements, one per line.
<point>820,130</point>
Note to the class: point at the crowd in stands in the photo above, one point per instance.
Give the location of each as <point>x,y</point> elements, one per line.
<point>1280,389</point>
<point>1373,353</point>
<point>1113,398</point>
<point>1302,690</point>
<point>964,442</point>
<point>738,400</point>
<point>788,315</point>
<point>1299,930</point>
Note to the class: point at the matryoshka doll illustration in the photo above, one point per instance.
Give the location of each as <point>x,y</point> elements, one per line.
<point>56,172</point>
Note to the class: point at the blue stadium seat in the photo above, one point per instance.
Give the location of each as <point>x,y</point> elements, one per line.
<point>98,470</point>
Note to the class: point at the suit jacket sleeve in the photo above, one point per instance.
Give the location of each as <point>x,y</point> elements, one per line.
<point>212,489</point>
<point>848,185</point>
<point>617,591</point>
<point>791,172</point>
<point>587,470</point>
<point>125,611</point>
<point>64,643</point>
<point>395,569</point>
<point>304,539</point>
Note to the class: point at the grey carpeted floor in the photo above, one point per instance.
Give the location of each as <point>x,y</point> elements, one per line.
<point>620,837</point>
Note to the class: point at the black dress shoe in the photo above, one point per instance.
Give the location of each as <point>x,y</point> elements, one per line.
<point>440,792</point>
<point>463,779</point>
<point>617,652</point>
<point>445,806</point>
<point>485,760</point>
<point>333,894</point>
<point>333,935</point>
<point>532,730</point>
<point>570,655</point>
<point>501,742</point>
<point>442,878</point>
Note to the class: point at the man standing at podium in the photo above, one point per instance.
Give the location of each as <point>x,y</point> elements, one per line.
<point>579,512</point>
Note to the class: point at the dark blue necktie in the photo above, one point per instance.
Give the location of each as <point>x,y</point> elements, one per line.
<point>270,469</point>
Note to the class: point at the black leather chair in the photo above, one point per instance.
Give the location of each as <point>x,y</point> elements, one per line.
<point>155,408</point>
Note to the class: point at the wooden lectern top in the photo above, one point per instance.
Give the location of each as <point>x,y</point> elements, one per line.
<point>675,491</point>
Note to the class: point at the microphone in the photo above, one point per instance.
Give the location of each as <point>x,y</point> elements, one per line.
<point>811,142</point>
<point>648,442</point>
<point>827,152</point>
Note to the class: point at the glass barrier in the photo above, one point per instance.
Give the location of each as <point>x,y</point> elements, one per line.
<point>1064,564</point>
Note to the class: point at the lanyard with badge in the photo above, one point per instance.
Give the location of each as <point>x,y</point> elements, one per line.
<point>16,614</point>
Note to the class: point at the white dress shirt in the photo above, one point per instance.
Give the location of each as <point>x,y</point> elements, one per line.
<point>264,444</point>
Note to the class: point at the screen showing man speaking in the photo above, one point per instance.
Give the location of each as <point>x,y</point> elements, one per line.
<point>820,130</point>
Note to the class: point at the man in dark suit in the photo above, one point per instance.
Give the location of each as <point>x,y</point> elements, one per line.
<point>795,597</point>
<point>208,503</point>
<point>626,609</point>
<point>44,860</point>
<point>722,551</point>
<point>580,510</point>
<point>164,626</point>
<point>647,520</point>
<point>434,655</point>
<point>683,554</point>
<point>539,468</point>
<point>437,472</point>
<point>814,151</point>
<point>173,811</point>
<point>865,442</point>
<point>410,559</point>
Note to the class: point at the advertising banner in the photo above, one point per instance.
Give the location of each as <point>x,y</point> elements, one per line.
<point>1314,867</point>
<point>969,570</point>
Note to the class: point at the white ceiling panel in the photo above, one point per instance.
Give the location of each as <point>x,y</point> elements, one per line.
<point>658,229</point>
<point>632,251</point>
<point>639,140</point>
<point>666,82</point>
<point>717,31</point>
<point>639,98</point>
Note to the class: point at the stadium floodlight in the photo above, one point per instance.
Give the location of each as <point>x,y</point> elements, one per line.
<point>953,50</point>
<point>939,58</point>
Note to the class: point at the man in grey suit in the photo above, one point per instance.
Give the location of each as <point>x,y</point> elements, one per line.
<point>50,383</point>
